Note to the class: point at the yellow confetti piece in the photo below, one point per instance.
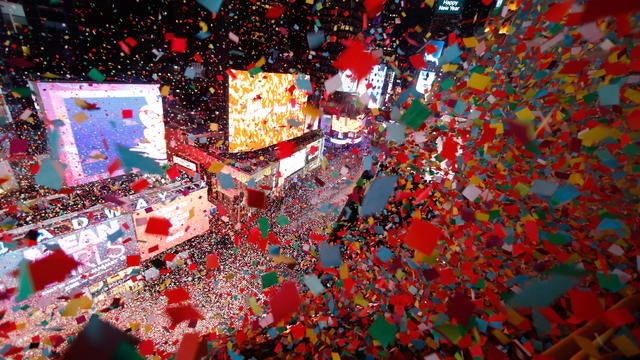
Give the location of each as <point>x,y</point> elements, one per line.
<point>164,90</point>
<point>215,167</point>
<point>344,271</point>
<point>214,127</point>
<point>80,117</point>
<point>254,306</point>
<point>586,345</point>
<point>312,336</point>
<point>479,82</point>
<point>480,216</point>
<point>499,128</point>
<point>475,180</point>
<point>449,67</point>
<point>500,336</point>
<point>632,95</point>
<point>576,179</point>
<point>470,42</point>
<point>525,115</point>
<point>598,134</point>
<point>514,317</point>
<point>626,346</point>
<point>335,356</point>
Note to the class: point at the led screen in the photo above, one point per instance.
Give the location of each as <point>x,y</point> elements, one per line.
<point>92,119</point>
<point>373,85</point>
<point>348,82</point>
<point>188,216</point>
<point>292,164</point>
<point>438,45</point>
<point>102,250</point>
<point>264,109</point>
<point>346,124</point>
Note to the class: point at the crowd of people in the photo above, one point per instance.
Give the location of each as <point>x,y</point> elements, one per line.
<point>221,294</point>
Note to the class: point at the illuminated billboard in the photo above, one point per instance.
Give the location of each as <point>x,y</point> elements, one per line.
<point>189,217</point>
<point>101,249</point>
<point>265,109</point>
<point>346,124</point>
<point>453,7</point>
<point>92,119</point>
<point>292,163</point>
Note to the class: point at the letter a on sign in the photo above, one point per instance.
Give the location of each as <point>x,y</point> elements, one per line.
<point>141,204</point>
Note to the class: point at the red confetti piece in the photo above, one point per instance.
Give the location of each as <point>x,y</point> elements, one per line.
<point>52,268</point>
<point>173,172</point>
<point>374,7</point>
<point>256,199</point>
<point>212,261</point>
<point>182,313</point>
<point>275,12</point>
<point>356,58</point>
<point>179,44</point>
<point>285,301</point>
<point>133,260</point>
<point>177,295</point>
<point>422,236</point>
<point>114,166</point>
<point>140,185</point>
<point>158,226</point>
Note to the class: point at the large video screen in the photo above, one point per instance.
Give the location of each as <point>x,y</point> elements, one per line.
<point>189,217</point>
<point>265,109</point>
<point>346,124</point>
<point>101,249</point>
<point>94,118</point>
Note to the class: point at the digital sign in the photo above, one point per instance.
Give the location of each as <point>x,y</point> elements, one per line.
<point>453,7</point>
<point>101,250</point>
<point>90,120</point>
<point>345,124</point>
<point>265,109</point>
<point>292,163</point>
<point>189,217</point>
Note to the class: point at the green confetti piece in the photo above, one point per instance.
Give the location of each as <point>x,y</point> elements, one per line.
<point>415,115</point>
<point>95,75</point>
<point>263,223</point>
<point>282,220</point>
<point>382,331</point>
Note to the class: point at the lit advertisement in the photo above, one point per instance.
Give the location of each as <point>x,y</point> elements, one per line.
<point>452,7</point>
<point>188,215</point>
<point>293,163</point>
<point>427,76</point>
<point>265,109</point>
<point>348,82</point>
<point>345,124</point>
<point>90,120</point>
<point>373,85</point>
<point>433,56</point>
<point>425,81</point>
<point>101,250</point>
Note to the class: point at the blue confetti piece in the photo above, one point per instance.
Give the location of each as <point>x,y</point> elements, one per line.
<point>543,187</point>
<point>384,254</point>
<point>329,255</point>
<point>303,82</point>
<point>212,5</point>
<point>115,236</point>
<point>378,195</point>
<point>226,181</point>
<point>314,284</point>
<point>565,194</point>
